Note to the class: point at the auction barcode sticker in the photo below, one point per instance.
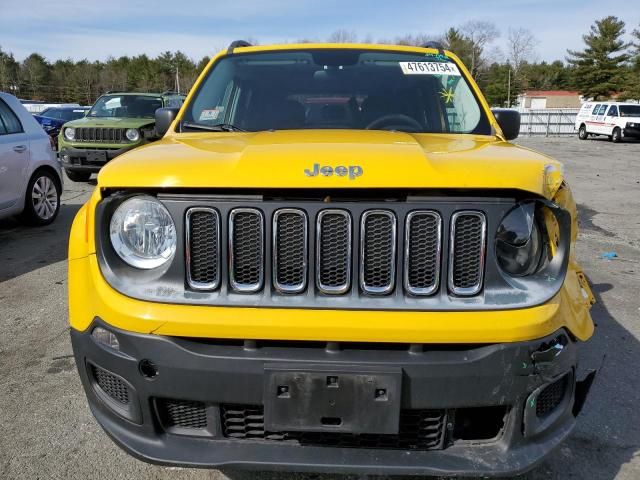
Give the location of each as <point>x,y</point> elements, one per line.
<point>429,68</point>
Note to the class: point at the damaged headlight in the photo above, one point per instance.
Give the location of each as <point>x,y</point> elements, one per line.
<point>519,242</point>
<point>143,233</point>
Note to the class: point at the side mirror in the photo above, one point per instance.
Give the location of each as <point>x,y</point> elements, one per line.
<point>164,119</point>
<point>509,121</point>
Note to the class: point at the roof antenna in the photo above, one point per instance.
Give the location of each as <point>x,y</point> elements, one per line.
<point>237,44</point>
<point>433,44</point>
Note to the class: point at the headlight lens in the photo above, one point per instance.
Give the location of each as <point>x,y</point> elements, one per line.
<point>133,134</point>
<point>519,243</point>
<point>143,233</point>
<point>70,133</point>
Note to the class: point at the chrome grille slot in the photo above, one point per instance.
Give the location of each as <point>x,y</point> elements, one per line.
<point>246,250</point>
<point>290,240</point>
<point>378,252</point>
<point>466,252</point>
<point>333,257</point>
<point>423,241</point>
<point>203,248</point>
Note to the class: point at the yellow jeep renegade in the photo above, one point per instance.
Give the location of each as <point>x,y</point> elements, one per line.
<point>333,261</point>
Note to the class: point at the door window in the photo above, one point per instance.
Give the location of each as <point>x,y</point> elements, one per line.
<point>595,109</point>
<point>603,108</point>
<point>9,121</point>
<point>613,111</point>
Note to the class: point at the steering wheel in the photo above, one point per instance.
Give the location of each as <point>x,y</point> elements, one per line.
<point>392,120</point>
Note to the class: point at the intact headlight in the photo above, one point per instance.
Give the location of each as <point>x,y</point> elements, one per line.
<point>70,134</point>
<point>519,243</point>
<point>143,233</point>
<point>133,134</point>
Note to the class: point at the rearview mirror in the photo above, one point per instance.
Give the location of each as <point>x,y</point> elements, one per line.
<point>509,121</point>
<point>164,119</point>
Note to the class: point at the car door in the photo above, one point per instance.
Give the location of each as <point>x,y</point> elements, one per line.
<point>599,123</point>
<point>14,157</point>
<point>591,121</point>
<point>610,120</point>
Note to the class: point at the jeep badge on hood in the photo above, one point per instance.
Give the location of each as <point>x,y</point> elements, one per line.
<point>353,171</point>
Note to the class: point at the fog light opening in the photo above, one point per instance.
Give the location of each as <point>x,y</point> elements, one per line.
<point>148,369</point>
<point>106,338</point>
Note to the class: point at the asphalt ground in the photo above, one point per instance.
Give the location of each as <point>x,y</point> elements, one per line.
<point>47,431</point>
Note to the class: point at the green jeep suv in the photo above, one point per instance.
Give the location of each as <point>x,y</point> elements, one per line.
<point>117,122</point>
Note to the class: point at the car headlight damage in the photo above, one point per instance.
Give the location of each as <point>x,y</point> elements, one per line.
<point>143,233</point>
<point>519,242</point>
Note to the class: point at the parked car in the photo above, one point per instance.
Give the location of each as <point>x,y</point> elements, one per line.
<point>53,118</point>
<point>616,120</point>
<point>30,175</point>
<point>116,123</point>
<point>334,260</point>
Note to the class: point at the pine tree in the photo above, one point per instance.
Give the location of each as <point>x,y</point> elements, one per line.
<point>599,68</point>
<point>460,44</point>
<point>632,90</point>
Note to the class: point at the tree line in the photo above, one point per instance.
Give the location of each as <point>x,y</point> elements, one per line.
<point>609,65</point>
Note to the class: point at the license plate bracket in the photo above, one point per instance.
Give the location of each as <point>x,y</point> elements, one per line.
<point>356,399</point>
<point>97,157</point>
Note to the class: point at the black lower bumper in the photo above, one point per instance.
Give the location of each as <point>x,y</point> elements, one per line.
<point>88,160</point>
<point>631,132</point>
<point>496,409</point>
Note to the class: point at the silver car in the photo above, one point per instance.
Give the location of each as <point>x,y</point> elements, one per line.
<point>30,175</point>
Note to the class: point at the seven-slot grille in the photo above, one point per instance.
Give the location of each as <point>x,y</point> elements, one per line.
<point>377,252</point>
<point>101,135</point>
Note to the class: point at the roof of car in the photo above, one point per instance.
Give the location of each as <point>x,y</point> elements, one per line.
<point>144,94</point>
<point>67,107</point>
<point>241,48</point>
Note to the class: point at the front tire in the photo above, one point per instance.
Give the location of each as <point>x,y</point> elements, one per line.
<point>78,176</point>
<point>582,132</point>
<point>42,200</point>
<point>616,135</point>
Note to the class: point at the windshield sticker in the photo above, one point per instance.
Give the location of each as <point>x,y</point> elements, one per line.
<point>437,56</point>
<point>211,114</point>
<point>447,95</point>
<point>429,68</point>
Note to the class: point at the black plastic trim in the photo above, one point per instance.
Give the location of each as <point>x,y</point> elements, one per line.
<point>215,372</point>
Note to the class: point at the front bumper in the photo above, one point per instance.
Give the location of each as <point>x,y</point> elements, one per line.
<point>466,383</point>
<point>631,132</point>
<point>83,160</point>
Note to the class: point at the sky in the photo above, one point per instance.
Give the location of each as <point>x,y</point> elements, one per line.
<point>95,30</point>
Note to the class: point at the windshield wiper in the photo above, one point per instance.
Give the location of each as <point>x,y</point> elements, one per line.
<point>220,127</point>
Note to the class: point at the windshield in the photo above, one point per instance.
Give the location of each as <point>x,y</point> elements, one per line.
<point>126,106</point>
<point>630,110</point>
<point>343,89</point>
<point>63,113</point>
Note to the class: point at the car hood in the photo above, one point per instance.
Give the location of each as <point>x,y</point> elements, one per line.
<point>375,159</point>
<point>46,121</point>
<point>110,122</point>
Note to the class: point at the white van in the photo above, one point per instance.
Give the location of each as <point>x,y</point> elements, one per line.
<point>615,119</point>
